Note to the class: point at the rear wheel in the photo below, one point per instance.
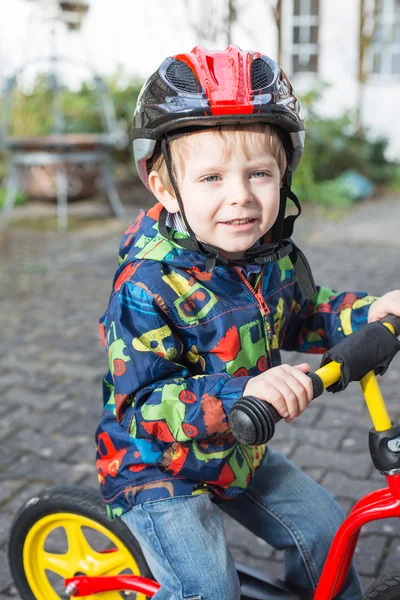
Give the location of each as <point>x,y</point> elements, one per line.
<point>386,587</point>
<point>65,532</point>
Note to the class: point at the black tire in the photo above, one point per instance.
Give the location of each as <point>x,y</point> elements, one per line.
<point>386,587</point>
<point>72,499</point>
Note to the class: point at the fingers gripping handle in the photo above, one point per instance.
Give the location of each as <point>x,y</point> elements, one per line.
<point>252,421</point>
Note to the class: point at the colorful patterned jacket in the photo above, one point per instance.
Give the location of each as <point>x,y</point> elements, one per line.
<point>182,344</point>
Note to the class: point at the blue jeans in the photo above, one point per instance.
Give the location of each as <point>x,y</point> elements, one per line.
<point>183,538</point>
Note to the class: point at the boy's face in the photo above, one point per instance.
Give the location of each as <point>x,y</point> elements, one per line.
<point>230,195</point>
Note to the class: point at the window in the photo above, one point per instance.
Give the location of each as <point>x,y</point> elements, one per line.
<point>385,46</point>
<point>305,36</point>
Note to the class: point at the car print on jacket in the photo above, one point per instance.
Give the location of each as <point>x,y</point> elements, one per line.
<point>182,343</point>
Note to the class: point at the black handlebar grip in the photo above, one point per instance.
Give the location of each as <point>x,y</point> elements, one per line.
<point>252,421</point>
<point>393,320</point>
<point>317,384</point>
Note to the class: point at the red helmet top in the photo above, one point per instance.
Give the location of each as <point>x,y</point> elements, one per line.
<point>206,88</point>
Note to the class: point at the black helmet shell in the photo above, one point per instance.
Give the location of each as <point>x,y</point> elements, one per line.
<point>208,89</point>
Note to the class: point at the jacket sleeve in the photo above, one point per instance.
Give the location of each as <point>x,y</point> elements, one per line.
<point>155,395</point>
<point>318,324</point>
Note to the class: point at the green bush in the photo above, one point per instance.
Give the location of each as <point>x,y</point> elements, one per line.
<point>32,112</point>
<point>20,198</point>
<point>395,183</point>
<point>3,166</point>
<point>333,146</point>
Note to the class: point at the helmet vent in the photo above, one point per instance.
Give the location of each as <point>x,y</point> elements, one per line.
<point>261,74</point>
<point>181,76</point>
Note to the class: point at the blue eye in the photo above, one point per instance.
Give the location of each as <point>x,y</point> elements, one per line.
<point>260,174</point>
<point>211,178</point>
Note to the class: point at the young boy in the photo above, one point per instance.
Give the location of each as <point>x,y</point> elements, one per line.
<point>209,288</point>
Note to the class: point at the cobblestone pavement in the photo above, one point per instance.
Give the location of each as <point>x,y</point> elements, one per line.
<point>53,289</point>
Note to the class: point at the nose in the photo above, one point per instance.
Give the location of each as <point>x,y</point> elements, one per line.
<point>240,192</point>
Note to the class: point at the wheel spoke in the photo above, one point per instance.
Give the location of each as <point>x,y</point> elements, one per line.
<point>43,567</point>
<point>80,553</point>
<point>58,563</point>
<point>111,563</point>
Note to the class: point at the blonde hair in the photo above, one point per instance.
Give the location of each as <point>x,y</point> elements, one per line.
<point>247,136</point>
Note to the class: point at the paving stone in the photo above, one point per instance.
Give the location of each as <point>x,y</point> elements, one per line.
<point>389,527</point>
<point>345,503</point>
<point>88,476</point>
<point>310,416</point>
<point>82,423</point>
<point>339,418</point>
<point>347,486</point>
<point>8,489</point>
<point>27,399</point>
<point>355,441</point>
<point>55,445</point>
<point>298,432</point>
<point>307,455</point>
<point>5,575</point>
<point>391,559</point>
<point>48,422</point>
<point>5,523</point>
<point>11,420</point>
<point>369,552</point>
<point>53,364</point>
<point>34,469</point>
<point>270,567</point>
<point>22,495</point>
<point>85,453</point>
<point>238,537</point>
<point>315,473</point>
<point>285,446</point>
<point>350,400</point>
<point>366,582</point>
<point>8,455</point>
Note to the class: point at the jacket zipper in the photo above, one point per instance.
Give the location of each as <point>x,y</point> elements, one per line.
<point>265,311</point>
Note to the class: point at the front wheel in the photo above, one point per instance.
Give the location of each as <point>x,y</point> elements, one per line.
<point>386,587</point>
<point>64,532</point>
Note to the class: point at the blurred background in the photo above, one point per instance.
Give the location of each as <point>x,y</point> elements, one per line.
<point>70,74</point>
<point>76,67</point>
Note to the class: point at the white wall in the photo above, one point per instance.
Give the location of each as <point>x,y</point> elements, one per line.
<point>338,64</point>
<point>139,35</point>
<point>338,58</point>
<point>381,112</point>
<point>134,34</point>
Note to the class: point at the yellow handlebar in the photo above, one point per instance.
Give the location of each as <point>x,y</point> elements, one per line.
<point>330,373</point>
<point>375,402</point>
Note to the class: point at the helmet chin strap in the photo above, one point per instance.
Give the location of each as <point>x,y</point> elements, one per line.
<point>281,231</point>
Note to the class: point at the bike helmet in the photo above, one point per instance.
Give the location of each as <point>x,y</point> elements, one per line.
<point>202,89</point>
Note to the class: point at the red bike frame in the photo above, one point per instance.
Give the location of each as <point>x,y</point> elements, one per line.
<point>86,586</point>
<point>380,504</point>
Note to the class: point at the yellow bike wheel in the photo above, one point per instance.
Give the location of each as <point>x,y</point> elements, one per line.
<point>65,532</point>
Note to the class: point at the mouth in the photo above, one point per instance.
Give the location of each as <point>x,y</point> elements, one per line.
<point>239,221</point>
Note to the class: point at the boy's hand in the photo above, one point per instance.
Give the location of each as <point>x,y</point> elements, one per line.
<point>389,304</point>
<point>287,388</point>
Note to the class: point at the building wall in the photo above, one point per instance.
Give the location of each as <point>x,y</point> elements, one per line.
<point>139,35</point>
<point>338,65</point>
<point>381,113</point>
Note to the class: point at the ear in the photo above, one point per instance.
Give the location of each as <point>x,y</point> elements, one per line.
<point>162,194</point>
